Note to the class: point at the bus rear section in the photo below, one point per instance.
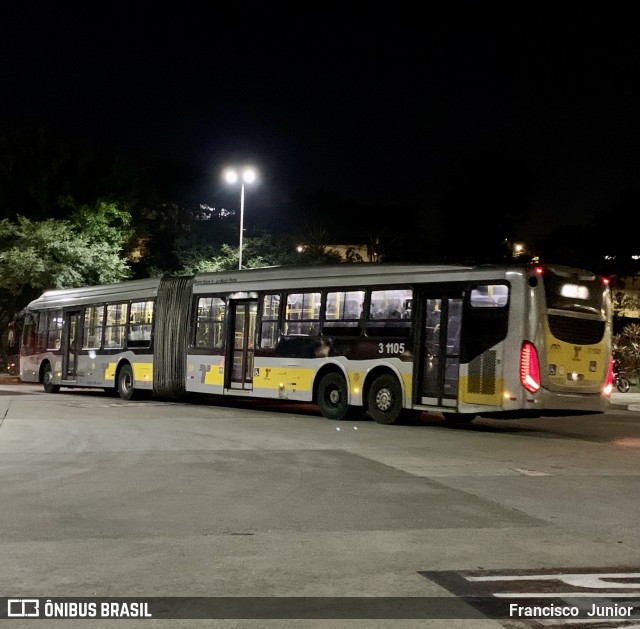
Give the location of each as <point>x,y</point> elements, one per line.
<point>530,341</point>
<point>567,364</point>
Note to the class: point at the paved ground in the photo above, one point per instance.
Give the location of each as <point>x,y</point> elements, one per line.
<point>101,497</point>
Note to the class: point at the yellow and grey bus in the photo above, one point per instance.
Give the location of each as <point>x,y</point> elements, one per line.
<point>384,339</point>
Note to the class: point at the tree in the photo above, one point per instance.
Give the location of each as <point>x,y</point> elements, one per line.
<point>86,249</point>
<point>626,349</point>
<point>257,251</point>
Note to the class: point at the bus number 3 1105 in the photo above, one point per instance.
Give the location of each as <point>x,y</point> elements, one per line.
<point>390,348</point>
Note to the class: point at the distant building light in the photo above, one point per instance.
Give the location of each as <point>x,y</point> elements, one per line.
<point>518,249</point>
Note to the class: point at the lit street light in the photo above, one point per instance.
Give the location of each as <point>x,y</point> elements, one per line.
<point>248,175</point>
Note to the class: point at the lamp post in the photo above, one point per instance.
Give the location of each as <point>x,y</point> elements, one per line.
<point>248,175</point>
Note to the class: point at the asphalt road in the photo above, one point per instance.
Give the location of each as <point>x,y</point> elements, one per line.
<point>105,498</point>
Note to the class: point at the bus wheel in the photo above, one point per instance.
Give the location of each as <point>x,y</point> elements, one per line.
<point>333,396</point>
<point>47,380</point>
<point>126,389</point>
<point>385,399</point>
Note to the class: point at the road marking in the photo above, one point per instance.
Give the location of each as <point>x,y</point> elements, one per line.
<point>552,598</point>
<point>530,472</point>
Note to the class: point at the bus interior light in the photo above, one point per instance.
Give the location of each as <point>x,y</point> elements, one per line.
<point>574,291</point>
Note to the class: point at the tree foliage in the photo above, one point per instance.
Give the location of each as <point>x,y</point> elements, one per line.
<point>626,349</point>
<point>86,249</point>
<point>258,251</point>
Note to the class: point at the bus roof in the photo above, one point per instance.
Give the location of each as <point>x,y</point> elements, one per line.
<point>121,291</point>
<point>283,277</point>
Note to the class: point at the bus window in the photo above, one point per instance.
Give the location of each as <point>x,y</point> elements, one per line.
<point>343,311</point>
<point>93,320</point>
<point>140,320</point>
<point>489,296</point>
<point>210,323</point>
<point>270,316</point>
<point>115,326</point>
<point>432,328</point>
<point>302,316</point>
<point>453,326</point>
<point>390,312</point>
<point>29,335</point>
<point>41,337</point>
<point>54,329</point>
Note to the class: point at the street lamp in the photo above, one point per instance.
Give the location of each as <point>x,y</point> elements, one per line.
<point>248,175</point>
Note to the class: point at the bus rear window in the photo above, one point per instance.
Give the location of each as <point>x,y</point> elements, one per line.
<point>574,293</point>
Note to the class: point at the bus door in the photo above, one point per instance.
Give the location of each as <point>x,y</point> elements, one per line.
<point>71,343</point>
<point>242,347</point>
<point>438,372</point>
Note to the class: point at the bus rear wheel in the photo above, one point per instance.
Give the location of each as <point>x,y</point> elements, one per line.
<point>333,396</point>
<point>47,380</point>
<point>385,399</point>
<point>126,390</point>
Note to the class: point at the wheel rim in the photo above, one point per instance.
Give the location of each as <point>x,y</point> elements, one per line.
<point>334,397</point>
<point>384,399</point>
<point>126,382</point>
<point>48,377</point>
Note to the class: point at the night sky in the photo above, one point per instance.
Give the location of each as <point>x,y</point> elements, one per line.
<point>376,104</point>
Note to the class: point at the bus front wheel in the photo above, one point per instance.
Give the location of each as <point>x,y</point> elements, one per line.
<point>47,380</point>
<point>333,396</point>
<point>385,399</point>
<point>126,390</point>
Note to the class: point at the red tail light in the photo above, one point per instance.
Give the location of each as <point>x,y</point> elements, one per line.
<point>529,367</point>
<point>608,385</point>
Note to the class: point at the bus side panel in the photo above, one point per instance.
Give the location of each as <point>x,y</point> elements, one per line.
<point>205,374</point>
<point>284,378</point>
<point>30,366</point>
<point>481,380</point>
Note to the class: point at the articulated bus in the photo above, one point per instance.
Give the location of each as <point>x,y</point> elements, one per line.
<point>388,340</point>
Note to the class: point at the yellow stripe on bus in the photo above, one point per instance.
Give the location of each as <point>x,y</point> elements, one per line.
<point>493,399</point>
<point>141,372</point>
<point>276,377</point>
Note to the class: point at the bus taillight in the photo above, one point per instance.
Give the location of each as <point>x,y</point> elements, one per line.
<point>608,385</point>
<point>529,367</point>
